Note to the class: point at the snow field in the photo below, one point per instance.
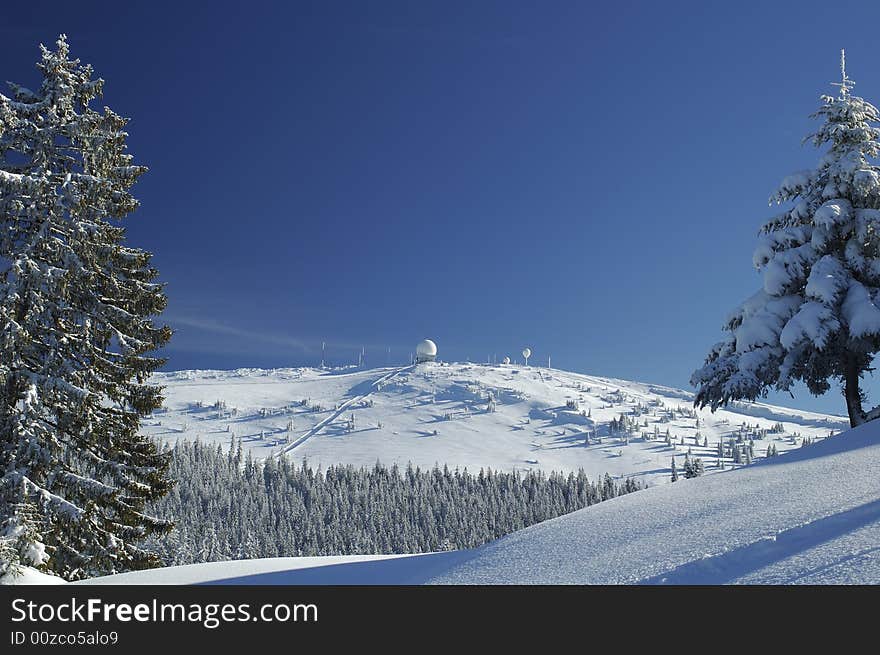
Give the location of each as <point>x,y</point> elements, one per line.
<point>470,416</point>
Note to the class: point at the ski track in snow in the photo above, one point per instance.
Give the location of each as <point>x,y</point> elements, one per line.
<point>340,410</point>
<point>767,551</point>
<point>810,517</point>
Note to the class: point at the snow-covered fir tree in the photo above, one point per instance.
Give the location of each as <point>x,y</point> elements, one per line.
<point>76,334</point>
<point>693,467</point>
<point>816,319</point>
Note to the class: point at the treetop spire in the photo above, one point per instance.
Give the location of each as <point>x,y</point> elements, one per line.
<point>845,83</point>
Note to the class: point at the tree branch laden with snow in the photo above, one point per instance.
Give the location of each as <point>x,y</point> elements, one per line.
<point>76,335</point>
<point>817,317</point>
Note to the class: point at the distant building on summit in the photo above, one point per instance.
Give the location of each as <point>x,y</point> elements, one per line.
<point>426,351</point>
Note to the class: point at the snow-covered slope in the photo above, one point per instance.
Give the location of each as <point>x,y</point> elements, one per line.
<point>811,517</point>
<point>439,414</point>
<point>29,576</point>
<point>343,570</point>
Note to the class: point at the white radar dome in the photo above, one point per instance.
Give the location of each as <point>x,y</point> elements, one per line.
<point>426,351</point>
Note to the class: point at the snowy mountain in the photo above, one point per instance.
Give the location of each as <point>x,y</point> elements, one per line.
<point>811,517</point>
<point>468,415</point>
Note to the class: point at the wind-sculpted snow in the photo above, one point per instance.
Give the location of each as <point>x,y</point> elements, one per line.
<point>784,415</point>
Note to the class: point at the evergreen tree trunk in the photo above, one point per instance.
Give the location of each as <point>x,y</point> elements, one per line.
<point>853,394</point>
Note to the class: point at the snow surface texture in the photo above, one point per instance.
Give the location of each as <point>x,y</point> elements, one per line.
<point>345,569</point>
<point>810,517</point>
<point>29,576</point>
<point>438,414</point>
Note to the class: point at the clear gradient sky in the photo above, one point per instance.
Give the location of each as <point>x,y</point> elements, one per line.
<point>585,178</point>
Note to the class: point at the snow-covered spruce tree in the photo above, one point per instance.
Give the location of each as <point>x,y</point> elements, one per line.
<point>75,335</point>
<point>816,318</point>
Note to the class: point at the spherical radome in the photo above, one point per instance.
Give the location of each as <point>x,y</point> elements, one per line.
<point>527,352</point>
<point>506,360</point>
<point>426,347</point>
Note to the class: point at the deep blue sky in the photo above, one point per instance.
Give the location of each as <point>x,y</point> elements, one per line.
<point>584,178</point>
